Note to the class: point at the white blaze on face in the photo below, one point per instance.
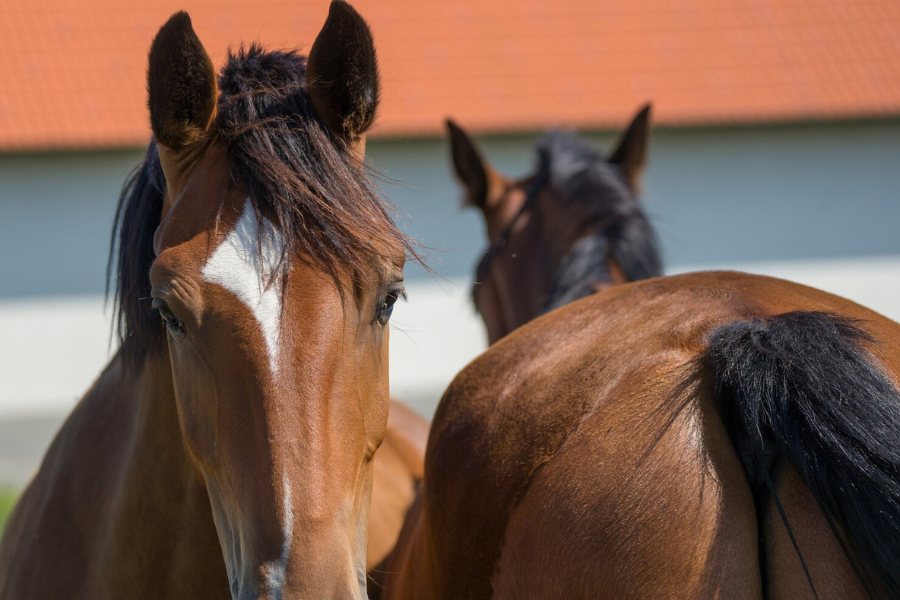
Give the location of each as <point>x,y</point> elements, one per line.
<point>237,266</point>
<point>274,572</point>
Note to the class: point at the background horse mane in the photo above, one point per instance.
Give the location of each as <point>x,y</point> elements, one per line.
<point>303,179</point>
<point>578,173</point>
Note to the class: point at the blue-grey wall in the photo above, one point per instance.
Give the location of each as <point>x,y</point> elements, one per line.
<point>796,192</point>
<point>716,196</point>
<point>56,213</point>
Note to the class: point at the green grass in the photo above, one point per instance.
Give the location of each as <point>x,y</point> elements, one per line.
<point>7,501</point>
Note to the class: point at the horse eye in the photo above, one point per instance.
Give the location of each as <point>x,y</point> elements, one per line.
<point>387,305</point>
<point>175,327</point>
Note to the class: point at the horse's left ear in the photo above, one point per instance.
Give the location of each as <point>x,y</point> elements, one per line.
<point>631,153</point>
<point>342,75</point>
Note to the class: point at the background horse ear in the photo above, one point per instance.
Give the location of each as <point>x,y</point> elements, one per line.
<point>342,74</point>
<point>470,167</point>
<point>631,154</point>
<point>181,85</point>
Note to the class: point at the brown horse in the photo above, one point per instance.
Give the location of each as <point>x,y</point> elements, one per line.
<point>714,435</point>
<point>227,450</point>
<point>573,227</point>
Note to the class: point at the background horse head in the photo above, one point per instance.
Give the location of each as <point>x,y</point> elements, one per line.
<point>257,271</point>
<point>565,231</point>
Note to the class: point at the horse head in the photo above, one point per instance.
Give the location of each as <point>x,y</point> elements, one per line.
<point>572,227</point>
<point>274,272</point>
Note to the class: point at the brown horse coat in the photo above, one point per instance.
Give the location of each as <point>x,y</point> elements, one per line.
<point>399,467</point>
<point>584,456</point>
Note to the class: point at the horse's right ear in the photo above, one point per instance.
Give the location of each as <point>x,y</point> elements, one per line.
<point>631,153</point>
<point>181,85</point>
<point>470,167</point>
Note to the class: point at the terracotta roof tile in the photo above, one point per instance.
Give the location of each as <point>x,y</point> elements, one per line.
<point>74,70</point>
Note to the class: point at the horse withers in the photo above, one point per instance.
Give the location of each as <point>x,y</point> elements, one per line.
<point>227,450</point>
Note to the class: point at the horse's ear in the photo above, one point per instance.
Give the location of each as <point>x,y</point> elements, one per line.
<point>181,85</point>
<point>342,74</point>
<point>470,167</point>
<point>631,153</point>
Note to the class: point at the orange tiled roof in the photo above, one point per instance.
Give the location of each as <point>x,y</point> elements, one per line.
<point>73,70</point>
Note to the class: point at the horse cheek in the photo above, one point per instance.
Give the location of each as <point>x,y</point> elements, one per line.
<point>197,405</point>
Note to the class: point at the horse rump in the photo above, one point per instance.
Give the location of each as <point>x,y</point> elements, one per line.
<point>802,386</point>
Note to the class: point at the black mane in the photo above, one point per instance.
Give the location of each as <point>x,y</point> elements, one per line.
<point>131,256</point>
<point>305,181</point>
<point>579,173</point>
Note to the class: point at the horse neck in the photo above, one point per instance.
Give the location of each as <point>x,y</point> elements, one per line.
<point>161,499</point>
<point>156,454</point>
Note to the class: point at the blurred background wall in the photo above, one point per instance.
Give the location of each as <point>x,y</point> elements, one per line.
<point>776,150</point>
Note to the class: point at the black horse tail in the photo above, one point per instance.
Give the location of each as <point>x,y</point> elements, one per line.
<point>802,386</point>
